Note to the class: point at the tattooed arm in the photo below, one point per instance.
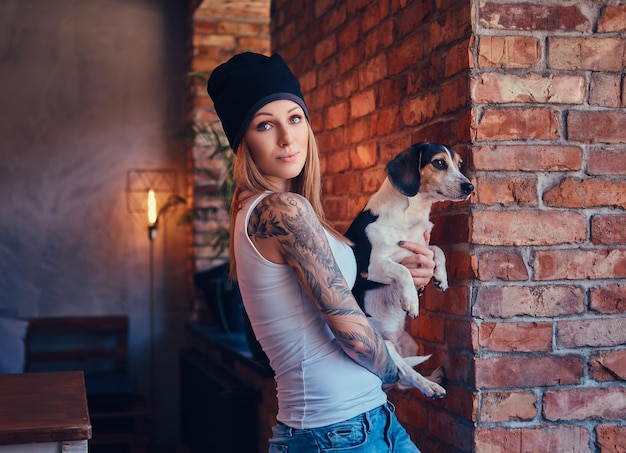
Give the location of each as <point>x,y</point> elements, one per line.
<point>285,229</point>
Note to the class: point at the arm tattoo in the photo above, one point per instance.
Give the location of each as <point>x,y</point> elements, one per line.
<point>289,219</point>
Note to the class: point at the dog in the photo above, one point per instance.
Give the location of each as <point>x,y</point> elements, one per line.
<point>416,178</point>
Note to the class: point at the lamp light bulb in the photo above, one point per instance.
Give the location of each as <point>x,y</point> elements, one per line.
<point>152,208</point>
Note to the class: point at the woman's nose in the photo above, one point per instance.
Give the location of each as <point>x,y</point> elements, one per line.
<point>285,138</point>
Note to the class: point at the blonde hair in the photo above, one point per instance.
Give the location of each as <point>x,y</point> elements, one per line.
<point>250,181</point>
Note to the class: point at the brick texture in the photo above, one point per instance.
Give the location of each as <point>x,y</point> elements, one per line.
<point>529,158</point>
<point>613,19</point>
<point>531,93</point>
<point>597,127</point>
<point>608,229</point>
<point>611,438</point>
<point>500,264</point>
<point>532,88</point>
<point>523,440</point>
<point>509,51</point>
<point>593,332</point>
<point>579,264</point>
<point>547,132</point>
<point>577,193</point>
<point>516,336</point>
<point>528,227</point>
<point>609,299</point>
<point>536,123</point>
<point>609,366</point>
<point>529,371</point>
<point>607,161</point>
<point>533,301</point>
<point>533,16</point>
<point>585,403</point>
<point>508,406</point>
<point>590,54</point>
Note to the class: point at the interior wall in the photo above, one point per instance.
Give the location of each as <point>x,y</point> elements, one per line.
<point>91,90</point>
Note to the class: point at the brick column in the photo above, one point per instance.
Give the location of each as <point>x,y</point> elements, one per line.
<point>548,134</point>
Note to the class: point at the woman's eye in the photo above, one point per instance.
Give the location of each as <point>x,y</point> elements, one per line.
<point>263,126</point>
<point>440,164</point>
<point>296,119</point>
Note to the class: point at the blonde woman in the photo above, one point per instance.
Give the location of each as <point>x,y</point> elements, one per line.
<point>295,272</point>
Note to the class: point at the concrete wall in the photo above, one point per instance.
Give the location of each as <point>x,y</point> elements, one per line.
<point>88,91</point>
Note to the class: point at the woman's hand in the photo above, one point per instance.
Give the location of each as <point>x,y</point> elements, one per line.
<point>421,263</point>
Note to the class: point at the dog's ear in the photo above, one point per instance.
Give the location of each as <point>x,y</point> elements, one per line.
<point>404,170</point>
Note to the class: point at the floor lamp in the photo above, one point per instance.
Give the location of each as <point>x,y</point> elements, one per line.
<point>154,214</point>
<point>152,192</point>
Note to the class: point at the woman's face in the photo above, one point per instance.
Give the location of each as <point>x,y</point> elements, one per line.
<point>278,138</point>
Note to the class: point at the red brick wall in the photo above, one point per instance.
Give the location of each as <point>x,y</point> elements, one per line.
<point>378,76</point>
<point>547,249</point>
<point>533,328</point>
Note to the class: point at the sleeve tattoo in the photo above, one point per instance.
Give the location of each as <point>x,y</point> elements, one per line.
<point>289,219</point>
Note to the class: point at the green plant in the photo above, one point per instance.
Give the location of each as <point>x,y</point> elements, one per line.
<point>209,136</point>
<point>212,136</point>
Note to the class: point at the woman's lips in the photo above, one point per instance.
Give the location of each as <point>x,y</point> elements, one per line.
<point>288,157</point>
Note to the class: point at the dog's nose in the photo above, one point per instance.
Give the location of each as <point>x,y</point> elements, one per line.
<point>467,188</point>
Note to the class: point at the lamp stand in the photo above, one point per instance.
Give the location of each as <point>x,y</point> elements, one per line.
<point>152,236</point>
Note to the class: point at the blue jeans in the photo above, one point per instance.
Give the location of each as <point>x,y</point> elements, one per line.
<point>376,431</point>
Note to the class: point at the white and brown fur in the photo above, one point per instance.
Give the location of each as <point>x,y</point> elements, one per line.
<point>399,211</point>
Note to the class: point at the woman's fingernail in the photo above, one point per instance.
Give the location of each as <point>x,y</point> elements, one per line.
<point>400,242</point>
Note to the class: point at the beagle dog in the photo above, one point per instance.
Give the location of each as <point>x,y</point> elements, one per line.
<point>416,178</point>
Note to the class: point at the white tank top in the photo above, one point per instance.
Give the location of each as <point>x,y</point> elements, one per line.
<point>317,383</point>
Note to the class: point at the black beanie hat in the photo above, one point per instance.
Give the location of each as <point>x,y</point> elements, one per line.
<point>244,84</point>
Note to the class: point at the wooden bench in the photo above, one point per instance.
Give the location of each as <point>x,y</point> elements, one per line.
<point>98,345</point>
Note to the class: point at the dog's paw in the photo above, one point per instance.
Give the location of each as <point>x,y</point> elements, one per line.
<point>433,390</point>
<point>411,309</point>
<point>440,275</point>
<point>415,380</point>
<point>440,283</point>
<point>410,301</point>
<point>412,379</point>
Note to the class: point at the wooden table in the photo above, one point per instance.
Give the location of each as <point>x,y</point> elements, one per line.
<point>44,412</point>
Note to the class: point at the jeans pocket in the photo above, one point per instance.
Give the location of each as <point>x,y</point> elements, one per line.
<point>345,435</point>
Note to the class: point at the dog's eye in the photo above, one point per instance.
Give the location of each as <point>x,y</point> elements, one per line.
<point>460,164</point>
<point>440,164</point>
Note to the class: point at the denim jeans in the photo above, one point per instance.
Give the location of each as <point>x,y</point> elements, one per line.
<point>376,431</point>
